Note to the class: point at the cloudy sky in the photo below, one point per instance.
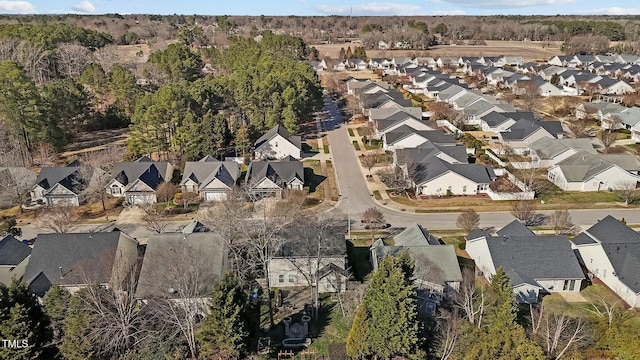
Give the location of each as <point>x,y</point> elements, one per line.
<point>323,7</point>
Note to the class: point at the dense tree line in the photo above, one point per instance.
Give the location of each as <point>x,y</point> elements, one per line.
<point>52,113</point>
<point>51,35</point>
<point>260,84</point>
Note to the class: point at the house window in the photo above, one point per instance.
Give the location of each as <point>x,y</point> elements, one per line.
<point>292,278</point>
<point>464,189</point>
<point>115,190</point>
<point>604,273</point>
<point>281,279</point>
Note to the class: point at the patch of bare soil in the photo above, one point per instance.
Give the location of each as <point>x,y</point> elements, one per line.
<point>131,54</point>
<point>95,140</point>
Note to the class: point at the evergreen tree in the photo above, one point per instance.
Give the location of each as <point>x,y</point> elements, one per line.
<point>502,314</point>
<point>76,342</point>
<point>23,320</point>
<point>342,54</point>
<point>386,323</point>
<point>56,305</point>
<point>223,332</point>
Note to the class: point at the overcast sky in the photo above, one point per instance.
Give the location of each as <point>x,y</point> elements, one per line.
<point>324,7</point>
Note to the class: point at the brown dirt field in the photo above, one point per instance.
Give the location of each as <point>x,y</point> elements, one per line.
<point>127,53</point>
<point>529,50</point>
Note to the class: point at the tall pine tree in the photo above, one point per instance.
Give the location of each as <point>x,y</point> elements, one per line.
<point>22,320</point>
<point>386,323</point>
<point>223,333</point>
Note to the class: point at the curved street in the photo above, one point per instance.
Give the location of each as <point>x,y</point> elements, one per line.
<point>355,197</point>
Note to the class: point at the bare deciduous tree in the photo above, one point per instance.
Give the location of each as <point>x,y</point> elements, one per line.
<point>607,137</point>
<point>98,172</point>
<point>468,220</point>
<point>561,332</point>
<point>370,160</point>
<point>153,220</point>
<point>533,176</point>
<point>71,59</point>
<point>187,198</point>
<point>471,299</point>
<point>120,321</point>
<point>605,309</point>
<point>180,279</point>
<point>627,190</point>
<point>165,192</point>
<point>15,184</point>
<point>524,210</point>
<point>448,333</point>
<point>310,245</point>
<point>561,222</point>
<point>106,56</point>
<point>373,219</point>
<point>57,219</point>
<point>530,95</point>
<point>578,127</point>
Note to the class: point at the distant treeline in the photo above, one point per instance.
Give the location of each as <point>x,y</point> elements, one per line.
<point>613,30</point>
<point>51,35</point>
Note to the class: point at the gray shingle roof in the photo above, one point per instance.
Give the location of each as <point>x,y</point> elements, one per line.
<point>379,114</point>
<point>621,245</point>
<point>152,173</point>
<point>280,172</point>
<point>437,137</point>
<point>49,176</point>
<point>76,256</point>
<point>302,241</point>
<point>206,170</point>
<point>415,235</point>
<point>515,228</point>
<point>435,263</point>
<point>279,130</point>
<point>583,166</point>
<point>13,251</point>
<point>548,148</point>
<point>168,256</point>
<point>436,167</point>
<point>523,128</point>
<point>530,258</point>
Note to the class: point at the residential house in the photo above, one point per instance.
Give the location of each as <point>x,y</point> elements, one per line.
<point>379,63</point>
<point>77,260</point>
<point>171,259</point>
<point>16,182</point>
<point>426,61</point>
<point>562,61</point>
<point>407,137</point>
<point>398,119</point>
<point>437,272</point>
<point>543,87</point>
<point>137,181</point>
<point>535,264</point>
<point>267,177</point>
<point>500,121</point>
<point>278,143</point>
<point>585,171</point>
<point>444,61</point>
<point>610,251</point>
<point>61,186</point>
<point>213,180</point>
<point>443,170</point>
<point>625,119</point>
<point>597,110</point>
<point>304,260</point>
<point>526,131</point>
<point>14,257</point>
<point>551,151</point>
<point>609,86</point>
<point>392,99</point>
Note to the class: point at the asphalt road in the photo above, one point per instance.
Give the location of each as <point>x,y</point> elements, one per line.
<point>355,197</point>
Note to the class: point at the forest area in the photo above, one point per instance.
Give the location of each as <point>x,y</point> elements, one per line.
<point>206,79</point>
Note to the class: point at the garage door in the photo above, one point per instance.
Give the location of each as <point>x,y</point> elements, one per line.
<point>215,196</point>
<point>140,199</point>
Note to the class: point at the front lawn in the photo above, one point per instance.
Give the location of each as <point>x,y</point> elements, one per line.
<point>355,144</point>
